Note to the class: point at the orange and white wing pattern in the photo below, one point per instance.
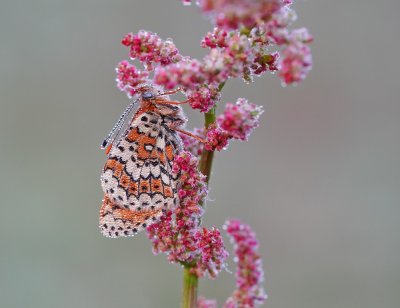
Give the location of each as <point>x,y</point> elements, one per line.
<point>137,179</point>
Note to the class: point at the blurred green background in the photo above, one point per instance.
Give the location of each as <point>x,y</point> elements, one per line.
<point>319,180</point>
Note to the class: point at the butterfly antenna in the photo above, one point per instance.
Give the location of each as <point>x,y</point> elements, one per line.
<point>117,127</point>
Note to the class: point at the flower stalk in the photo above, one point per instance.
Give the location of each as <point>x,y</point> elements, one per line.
<point>207,156</point>
<point>206,159</point>
<point>190,284</point>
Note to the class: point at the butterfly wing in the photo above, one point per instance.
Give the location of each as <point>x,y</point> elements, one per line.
<point>137,179</point>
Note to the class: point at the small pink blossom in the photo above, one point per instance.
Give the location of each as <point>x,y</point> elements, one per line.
<point>277,28</point>
<point>296,59</point>
<point>206,303</point>
<point>240,119</point>
<point>215,39</point>
<point>203,98</point>
<point>129,77</point>
<point>240,53</point>
<point>231,61</point>
<point>149,48</point>
<point>186,2</point>
<point>217,139</point>
<point>263,62</point>
<point>259,38</point>
<point>216,67</point>
<point>213,254</point>
<point>249,272</point>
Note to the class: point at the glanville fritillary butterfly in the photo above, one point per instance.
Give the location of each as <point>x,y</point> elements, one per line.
<point>137,179</point>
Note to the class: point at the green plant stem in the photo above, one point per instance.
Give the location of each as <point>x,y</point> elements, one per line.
<point>190,284</point>
<point>207,156</point>
<point>206,159</point>
<point>190,280</point>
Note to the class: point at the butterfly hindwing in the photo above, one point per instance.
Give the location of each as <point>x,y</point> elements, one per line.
<point>137,178</point>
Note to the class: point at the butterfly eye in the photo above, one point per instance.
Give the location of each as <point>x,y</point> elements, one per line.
<point>147,95</point>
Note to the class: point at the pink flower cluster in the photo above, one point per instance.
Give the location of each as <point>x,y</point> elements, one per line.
<point>129,77</point>
<point>249,292</point>
<point>178,233</point>
<point>240,119</point>
<point>212,254</point>
<point>149,48</point>
<point>245,32</point>
<point>217,139</point>
<point>296,57</point>
<point>203,98</point>
<point>215,39</point>
<point>235,14</point>
<point>296,60</point>
<point>239,45</point>
<point>186,74</point>
<point>249,272</point>
<point>237,122</point>
<point>190,75</point>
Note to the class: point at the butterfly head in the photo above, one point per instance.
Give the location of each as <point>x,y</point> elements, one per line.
<point>148,95</point>
<point>148,92</point>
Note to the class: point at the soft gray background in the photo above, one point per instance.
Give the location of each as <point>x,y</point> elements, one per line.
<point>318,181</point>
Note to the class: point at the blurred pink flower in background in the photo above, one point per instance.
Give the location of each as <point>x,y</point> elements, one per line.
<point>249,273</point>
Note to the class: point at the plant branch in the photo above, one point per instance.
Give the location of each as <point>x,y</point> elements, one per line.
<point>206,159</point>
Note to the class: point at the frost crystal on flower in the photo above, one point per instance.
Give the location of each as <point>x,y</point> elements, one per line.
<point>240,119</point>
<point>249,273</point>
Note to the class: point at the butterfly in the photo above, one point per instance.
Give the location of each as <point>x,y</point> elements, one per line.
<point>137,179</point>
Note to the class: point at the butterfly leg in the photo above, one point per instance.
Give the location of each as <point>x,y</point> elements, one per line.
<point>172,91</point>
<point>163,102</point>
<point>175,128</point>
